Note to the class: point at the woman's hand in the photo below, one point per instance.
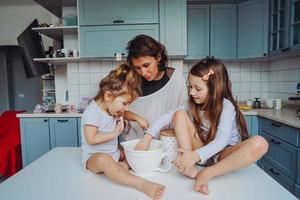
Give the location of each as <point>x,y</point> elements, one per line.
<point>186,159</point>
<point>119,127</point>
<point>144,143</point>
<point>144,124</point>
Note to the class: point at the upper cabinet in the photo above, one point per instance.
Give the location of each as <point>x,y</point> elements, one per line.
<point>223,30</point>
<point>108,12</point>
<point>105,27</point>
<point>285,25</point>
<point>198,31</point>
<point>253,29</point>
<point>295,24</point>
<point>108,41</point>
<point>212,31</point>
<point>173,26</point>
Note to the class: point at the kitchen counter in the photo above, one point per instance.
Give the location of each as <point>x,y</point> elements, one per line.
<point>63,114</point>
<point>59,175</point>
<point>286,115</point>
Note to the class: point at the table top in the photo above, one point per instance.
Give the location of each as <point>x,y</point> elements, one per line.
<point>59,175</point>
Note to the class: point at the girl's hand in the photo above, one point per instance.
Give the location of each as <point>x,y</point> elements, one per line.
<point>119,126</point>
<point>144,124</point>
<point>144,143</point>
<point>186,160</point>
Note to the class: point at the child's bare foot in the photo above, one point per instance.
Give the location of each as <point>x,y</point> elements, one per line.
<point>124,165</point>
<point>191,172</point>
<point>201,184</point>
<point>153,190</point>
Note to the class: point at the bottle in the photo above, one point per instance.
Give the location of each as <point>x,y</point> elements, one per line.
<point>256,103</point>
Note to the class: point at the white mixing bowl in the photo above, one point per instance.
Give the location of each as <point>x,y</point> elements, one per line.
<point>144,162</point>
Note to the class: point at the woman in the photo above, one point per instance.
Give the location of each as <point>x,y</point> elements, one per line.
<point>163,88</point>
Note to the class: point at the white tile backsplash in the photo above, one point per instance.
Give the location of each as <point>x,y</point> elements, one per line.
<point>274,79</point>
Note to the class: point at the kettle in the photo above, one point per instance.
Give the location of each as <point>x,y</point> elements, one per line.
<point>256,103</point>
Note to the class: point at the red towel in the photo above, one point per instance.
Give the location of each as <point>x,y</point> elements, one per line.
<point>10,144</point>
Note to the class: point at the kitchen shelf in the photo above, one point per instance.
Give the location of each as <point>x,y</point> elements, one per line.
<point>57,61</point>
<point>56,32</point>
<point>54,6</point>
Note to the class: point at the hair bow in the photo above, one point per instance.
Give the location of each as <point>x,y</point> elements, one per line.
<point>206,76</point>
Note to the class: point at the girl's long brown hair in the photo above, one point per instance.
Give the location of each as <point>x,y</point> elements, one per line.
<point>121,80</point>
<point>219,87</point>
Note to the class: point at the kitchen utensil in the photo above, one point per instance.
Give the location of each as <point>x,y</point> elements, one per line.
<point>256,103</point>
<point>277,104</point>
<point>170,144</point>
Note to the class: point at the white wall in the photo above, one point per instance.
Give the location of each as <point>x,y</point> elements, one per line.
<point>14,18</point>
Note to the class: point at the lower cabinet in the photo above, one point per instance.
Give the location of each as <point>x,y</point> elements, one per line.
<point>252,124</point>
<point>63,132</point>
<point>277,175</point>
<point>35,138</point>
<point>282,161</point>
<point>40,135</point>
<point>297,191</point>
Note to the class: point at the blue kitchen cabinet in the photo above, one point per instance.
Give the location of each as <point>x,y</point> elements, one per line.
<point>285,25</point>
<point>79,130</point>
<point>198,31</point>
<point>173,26</point>
<point>212,31</point>
<point>298,167</point>
<point>282,161</point>
<point>277,175</point>
<point>254,125</point>
<point>35,138</point>
<point>248,122</point>
<point>223,31</point>
<point>63,132</point>
<point>295,24</point>
<point>297,191</point>
<point>107,12</point>
<point>94,40</point>
<point>253,28</point>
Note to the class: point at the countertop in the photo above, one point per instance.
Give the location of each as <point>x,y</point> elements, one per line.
<point>286,116</point>
<point>59,175</point>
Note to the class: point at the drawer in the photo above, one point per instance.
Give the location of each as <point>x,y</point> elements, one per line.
<point>284,132</point>
<point>278,176</point>
<point>281,155</point>
<point>297,191</point>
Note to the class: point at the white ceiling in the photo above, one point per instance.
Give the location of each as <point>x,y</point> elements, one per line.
<point>16,2</point>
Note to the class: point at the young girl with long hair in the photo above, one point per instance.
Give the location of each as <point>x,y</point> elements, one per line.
<point>210,129</point>
<point>102,123</point>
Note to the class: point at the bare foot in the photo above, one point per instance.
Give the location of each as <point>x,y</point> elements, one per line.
<point>201,184</point>
<point>191,172</point>
<point>124,165</point>
<point>153,190</point>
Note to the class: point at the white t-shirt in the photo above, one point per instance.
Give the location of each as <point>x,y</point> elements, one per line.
<point>227,130</point>
<point>152,106</point>
<point>94,116</point>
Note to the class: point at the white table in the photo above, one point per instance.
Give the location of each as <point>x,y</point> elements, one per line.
<point>59,175</point>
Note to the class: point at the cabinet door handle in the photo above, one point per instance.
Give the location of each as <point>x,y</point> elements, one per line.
<point>45,120</point>
<point>123,54</point>
<point>118,21</point>
<point>274,172</point>
<point>285,49</point>
<point>276,125</point>
<point>62,120</point>
<point>265,54</point>
<point>275,141</point>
